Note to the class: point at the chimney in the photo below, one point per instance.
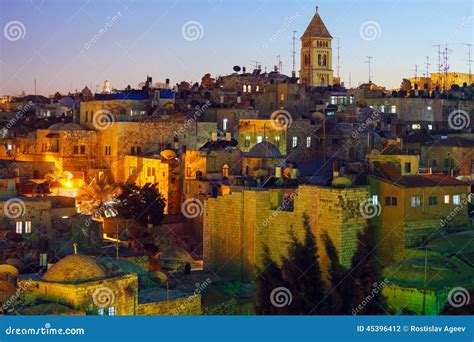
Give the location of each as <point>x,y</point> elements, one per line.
<point>244,70</point>
<point>167,81</point>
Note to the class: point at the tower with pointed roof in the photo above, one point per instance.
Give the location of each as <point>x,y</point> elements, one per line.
<point>316,54</point>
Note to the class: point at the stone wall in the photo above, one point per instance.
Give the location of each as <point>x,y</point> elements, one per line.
<point>184,306</point>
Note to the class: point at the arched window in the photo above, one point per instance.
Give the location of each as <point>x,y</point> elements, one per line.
<point>324,60</point>
<point>306,60</point>
<point>319,60</point>
<point>244,88</point>
<point>249,88</point>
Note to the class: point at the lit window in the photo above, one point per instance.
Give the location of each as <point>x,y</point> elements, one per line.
<point>375,200</point>
<point>244,88</point>
<point>19,227</point>
<point>249,88</point>
<point>428,108</point>
<point>393,109</point>
<point>456,199</point>
<point>282,97</point>
<point>28,227</point>
<point>247,141</point>
<point>259,139</point>
<point>111,311</point>
<point>382,109</point>
<point>430,127</point>
<point>224,124</point>
<point>308,142</point>
<point>416,201</point>
<point>351,99</point>
<point>257,88</point>
<point>333,100</point>
<point>100,312</point>
<point>277,140</point>
<point>416,126</point>
<point>446,199</point>
<point>294,142</point>
<point>225,171</point>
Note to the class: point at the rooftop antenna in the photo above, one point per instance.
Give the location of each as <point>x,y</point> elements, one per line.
<point>369,61</point>
<point>427,64</point>
<point>469,61</point>
<point>280,64</point>
<point>257,63</point>
<point>293,52</point>
<point>446,52</point>
<point>416,71</point>
<point>350,80</point>
<point>338,58</point>
<point>439,60</point>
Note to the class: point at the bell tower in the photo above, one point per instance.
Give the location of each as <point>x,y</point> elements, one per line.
<point>316,54</point>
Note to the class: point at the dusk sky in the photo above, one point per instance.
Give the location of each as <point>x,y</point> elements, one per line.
<point>146,38</point>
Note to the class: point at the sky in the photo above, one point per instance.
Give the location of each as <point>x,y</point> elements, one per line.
<point>67,45</point>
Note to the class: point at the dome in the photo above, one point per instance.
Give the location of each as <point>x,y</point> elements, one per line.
<point>74,268</point>
<point>264,149</point>
<point>341,182</point>
<point>176,254</point>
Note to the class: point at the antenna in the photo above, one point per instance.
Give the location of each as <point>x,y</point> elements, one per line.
<point>257,63</point>
<point>416,71</point>
<point>280,64</point>
<point>338,58</point>
<point>369,61</point>
<point>469,61</point>
<point>294,52</point>
<point>427,64</point>
<point>446,52</point>
<point>350,80</point>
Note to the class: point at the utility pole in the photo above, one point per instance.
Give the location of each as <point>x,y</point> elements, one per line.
<point>469,60</point>
<point>369,61</point>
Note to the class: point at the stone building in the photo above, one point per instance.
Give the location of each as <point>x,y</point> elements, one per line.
<point>254,131</point>
<point>453,155</point>
<point>161,170</point>
<point>233,242</point>
<point>316,54</point>
<point>414,208</point>
<point>95,286</point>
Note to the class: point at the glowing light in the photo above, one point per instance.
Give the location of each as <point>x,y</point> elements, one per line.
<point>68,184</point>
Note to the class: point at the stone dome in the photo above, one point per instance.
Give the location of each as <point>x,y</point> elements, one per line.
<point>74,268</point>
<point>264,149</point>
<point>176,254</point>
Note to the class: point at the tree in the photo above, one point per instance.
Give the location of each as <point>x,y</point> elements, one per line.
<point>366,275</point>
<point>302,273</point>
<point>339,296</point>
<point>269,278</point>
<point>144,205</point>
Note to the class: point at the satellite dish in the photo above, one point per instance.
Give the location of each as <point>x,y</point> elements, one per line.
<point>237,68</point>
